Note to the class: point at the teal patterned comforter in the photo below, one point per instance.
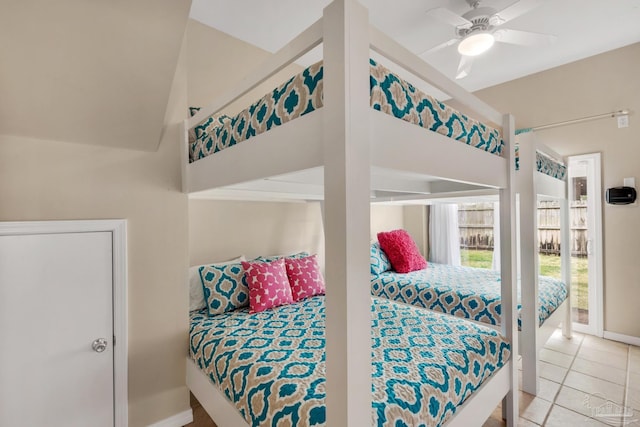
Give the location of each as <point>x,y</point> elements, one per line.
<point>271,365</point>
<point>472,293</point>
<point>302,94</point>
<point>546,165</point>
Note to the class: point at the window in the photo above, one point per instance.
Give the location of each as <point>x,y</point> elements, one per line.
<point>475,221</point>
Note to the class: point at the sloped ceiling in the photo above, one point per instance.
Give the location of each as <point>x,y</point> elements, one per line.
<point>89,71</point>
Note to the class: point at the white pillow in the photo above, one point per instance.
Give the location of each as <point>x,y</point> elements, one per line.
<point>196,294</point>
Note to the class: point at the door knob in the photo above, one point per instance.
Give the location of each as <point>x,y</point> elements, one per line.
<point>99,345</point>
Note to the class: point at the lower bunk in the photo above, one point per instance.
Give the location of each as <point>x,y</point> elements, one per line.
<point>471,293</point>
<point>474,294</point>
<point>467,292</point>
<point>268,368</point>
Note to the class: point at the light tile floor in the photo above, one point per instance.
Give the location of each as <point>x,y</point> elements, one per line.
<point>585,381</point>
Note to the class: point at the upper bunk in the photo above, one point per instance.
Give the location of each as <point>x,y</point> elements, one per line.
<point>540,170</point>
<point>275,148</point>
<point>541,173</point>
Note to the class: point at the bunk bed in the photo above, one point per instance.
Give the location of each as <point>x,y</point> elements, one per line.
<point>541,175</point>
<point>475,293</point>
<point>361,153</point>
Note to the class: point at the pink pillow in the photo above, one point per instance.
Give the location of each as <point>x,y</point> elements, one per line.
<point>268,285</point>
<point>305,277</point>
<point>401,250</point>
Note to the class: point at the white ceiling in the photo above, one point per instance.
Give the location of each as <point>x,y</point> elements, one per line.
<point>583,28</point>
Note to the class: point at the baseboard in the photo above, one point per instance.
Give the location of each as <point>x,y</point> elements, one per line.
<point>177,420</point>
<point>627,339</point>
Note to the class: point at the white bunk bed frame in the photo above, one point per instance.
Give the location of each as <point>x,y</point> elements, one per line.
<point>349,140</point>
<point>531,184</point>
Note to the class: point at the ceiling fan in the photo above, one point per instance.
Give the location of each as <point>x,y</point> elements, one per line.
<point>478,29</point>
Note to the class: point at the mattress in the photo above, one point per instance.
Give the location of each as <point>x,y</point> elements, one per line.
<point>271,365</point>
<point>472,293</point>
<point>303,93</point>
<point>546,165</point>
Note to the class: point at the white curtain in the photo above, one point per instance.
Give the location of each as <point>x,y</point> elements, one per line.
<point>495,262</point>
<point>444,235</point>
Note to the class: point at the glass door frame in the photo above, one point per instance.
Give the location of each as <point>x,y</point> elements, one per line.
<point>594,242</point>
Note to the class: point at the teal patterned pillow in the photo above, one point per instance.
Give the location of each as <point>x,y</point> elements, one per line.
<point>225,288</point>
<point>379,261</point>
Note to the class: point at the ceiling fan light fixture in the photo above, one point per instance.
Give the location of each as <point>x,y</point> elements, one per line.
<point>476,43</point>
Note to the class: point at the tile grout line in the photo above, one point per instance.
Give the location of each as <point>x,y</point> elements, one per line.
<point>573,359</point>
<point>597,363</point>
<point>627,380</point>
<point>624,387</point>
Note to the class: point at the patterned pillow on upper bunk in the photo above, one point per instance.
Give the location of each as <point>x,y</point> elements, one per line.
<point>379,260</point>
<point>298,96</point>
<point>202,137</point>
<point>402,251</point>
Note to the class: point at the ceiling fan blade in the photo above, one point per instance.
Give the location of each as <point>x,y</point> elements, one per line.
<point>439,47</point>
<point>464,67</point>
<point>524,38</point>
<point>516,9</point>
<point>445,15</point>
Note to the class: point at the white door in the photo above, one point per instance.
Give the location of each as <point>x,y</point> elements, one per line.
<point>56,299</point>
<point>586,243</point>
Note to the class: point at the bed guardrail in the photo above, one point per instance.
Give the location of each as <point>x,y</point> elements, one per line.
<point>379,42</point>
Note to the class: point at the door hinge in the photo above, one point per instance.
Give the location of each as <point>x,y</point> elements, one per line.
<point>114,341</point>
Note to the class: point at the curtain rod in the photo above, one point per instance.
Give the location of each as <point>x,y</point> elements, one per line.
<point>617,113</point>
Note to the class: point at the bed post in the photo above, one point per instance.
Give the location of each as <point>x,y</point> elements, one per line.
<point>324,226</point>
<point>509,323</point>
<point>565,259</point>
<point>528,263</point>
<point>347,205</point>
<point>184,154</point>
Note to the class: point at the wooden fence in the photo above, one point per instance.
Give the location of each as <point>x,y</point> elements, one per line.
<point>475,222</point>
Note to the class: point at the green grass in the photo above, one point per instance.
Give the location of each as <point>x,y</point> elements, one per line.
<point>549,266</point>
<point>477,259</point>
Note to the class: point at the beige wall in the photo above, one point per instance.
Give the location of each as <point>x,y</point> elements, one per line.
<point>89,72</point>
<point>386,218</point>
<point>219,230</point>
<point>595,85</point>
<point>218,62</point>
<point>415,222</point>
<point>49,180</point>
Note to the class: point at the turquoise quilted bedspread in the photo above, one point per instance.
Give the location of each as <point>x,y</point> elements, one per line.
<point>303,93</point>
<point>472,293</point>
<point>271,365</point>
<point>546,165</point>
